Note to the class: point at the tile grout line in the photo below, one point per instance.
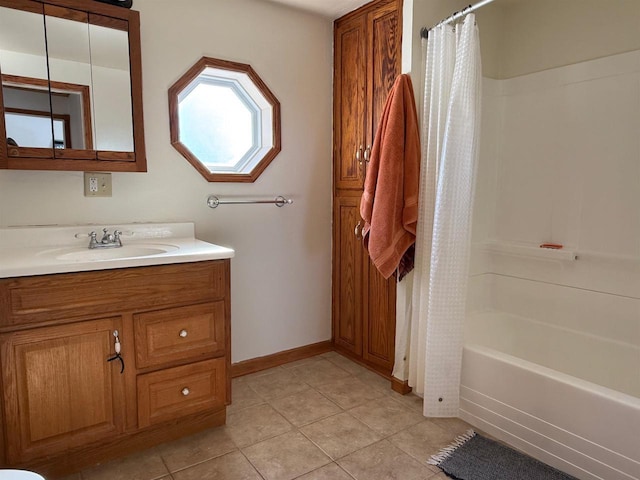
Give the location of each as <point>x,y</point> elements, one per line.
<point>343,410</point>
<point>165,466</point>
<point>298,429</point>
<point>293,427</point>
<point>182,469</point>
<point>251,463</point>
<point>323,466</point>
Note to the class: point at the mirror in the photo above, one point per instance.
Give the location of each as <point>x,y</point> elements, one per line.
<point>81,52</point>
<point>69,62</point>
<point>224,120</point>
<point>110,74</point>
<point>28,119</point>
<point>71,86</point>
<point>25,79</point>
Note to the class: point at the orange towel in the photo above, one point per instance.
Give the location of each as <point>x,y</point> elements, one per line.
<point>389,203</point>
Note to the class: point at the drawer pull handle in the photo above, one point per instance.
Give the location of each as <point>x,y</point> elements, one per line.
<point>117,348</point>
<point>185,391</point>
<point>183,333</point>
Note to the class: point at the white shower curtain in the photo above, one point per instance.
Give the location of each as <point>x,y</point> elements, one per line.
<point>450,132</point>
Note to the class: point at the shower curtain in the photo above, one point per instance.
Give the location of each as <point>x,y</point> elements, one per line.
<point>450,132</point>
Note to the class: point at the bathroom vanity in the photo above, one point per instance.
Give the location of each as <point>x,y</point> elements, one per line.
<point>68,400</point>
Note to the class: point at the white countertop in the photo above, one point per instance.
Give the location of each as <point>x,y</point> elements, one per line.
<point>44,250</point>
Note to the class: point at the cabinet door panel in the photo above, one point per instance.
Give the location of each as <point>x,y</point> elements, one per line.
<point>347,285</point>
<point>384,50</point>
<point>379,319</point>
<point>60,391</point>
<point>349,103</point>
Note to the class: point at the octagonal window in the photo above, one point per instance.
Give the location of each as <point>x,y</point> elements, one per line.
<point>224,120</point>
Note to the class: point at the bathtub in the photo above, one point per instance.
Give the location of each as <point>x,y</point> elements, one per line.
<point>538,388</point>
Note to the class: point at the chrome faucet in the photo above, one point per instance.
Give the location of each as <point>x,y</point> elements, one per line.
<point>108,240</point>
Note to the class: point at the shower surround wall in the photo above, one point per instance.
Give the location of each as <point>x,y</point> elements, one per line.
<point>560,162</point>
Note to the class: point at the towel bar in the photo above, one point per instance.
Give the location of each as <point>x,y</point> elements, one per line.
<point>279,201</point>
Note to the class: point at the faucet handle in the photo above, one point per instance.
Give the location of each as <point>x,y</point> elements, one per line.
<point>106,236</point>
<point>93,241</point>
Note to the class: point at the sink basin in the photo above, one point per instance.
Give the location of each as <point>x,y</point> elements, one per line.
<point>83,254</point>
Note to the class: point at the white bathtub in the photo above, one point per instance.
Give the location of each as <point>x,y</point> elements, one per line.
<point>515,386</point>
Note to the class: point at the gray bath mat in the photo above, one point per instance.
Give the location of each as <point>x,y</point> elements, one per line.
<point>473,457</point>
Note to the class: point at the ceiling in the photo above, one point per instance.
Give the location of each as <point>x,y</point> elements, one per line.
<point>327,8</point>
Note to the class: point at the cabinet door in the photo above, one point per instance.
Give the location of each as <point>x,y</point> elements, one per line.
<point>384,53</point>
<point>379,318</point>
<point>59,390</point>
<point>384,50</point>
<point>349,103</point>
<point>347,276</point>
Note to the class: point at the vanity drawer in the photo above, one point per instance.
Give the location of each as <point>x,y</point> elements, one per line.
<point>180,391</point>
<point>25,300</point>
<point>183,333</point>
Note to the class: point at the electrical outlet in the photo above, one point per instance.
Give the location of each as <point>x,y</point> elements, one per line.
<point>97,184</point>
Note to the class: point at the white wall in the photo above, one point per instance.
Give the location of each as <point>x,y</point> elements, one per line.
<point>281,275</point>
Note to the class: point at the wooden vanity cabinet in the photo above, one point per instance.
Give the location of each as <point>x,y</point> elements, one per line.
<point>65,406</point>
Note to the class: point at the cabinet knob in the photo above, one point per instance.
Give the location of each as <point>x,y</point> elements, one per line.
<point>183,333</point>
<point>185,391</point>
<point>358,230</point>
<point>367,154</point>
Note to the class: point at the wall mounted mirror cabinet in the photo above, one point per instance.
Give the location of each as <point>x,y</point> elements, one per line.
<point>224,120</point>
<point>71,92</point>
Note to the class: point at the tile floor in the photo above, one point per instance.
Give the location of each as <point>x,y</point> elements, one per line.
<point>325,417</point>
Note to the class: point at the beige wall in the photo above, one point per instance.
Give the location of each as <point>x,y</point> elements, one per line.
<point>490,20</point>
<point>537,35</point>
<point>518,37</point>
<point>281,275</point>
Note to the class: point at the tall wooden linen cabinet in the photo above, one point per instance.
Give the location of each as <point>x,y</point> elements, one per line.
<point>367,50</point>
